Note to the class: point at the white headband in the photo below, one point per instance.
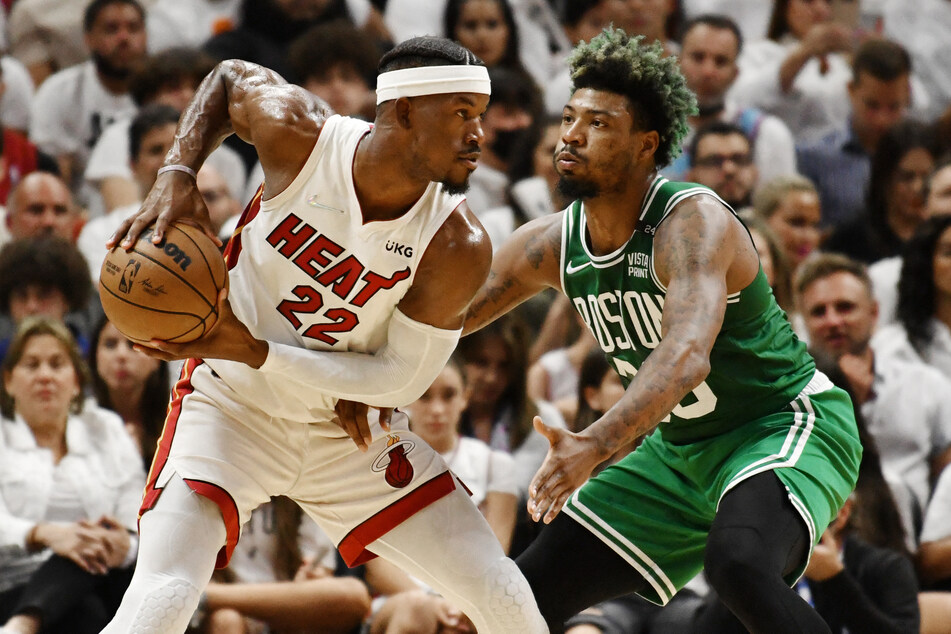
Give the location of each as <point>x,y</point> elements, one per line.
<point>431,80</point>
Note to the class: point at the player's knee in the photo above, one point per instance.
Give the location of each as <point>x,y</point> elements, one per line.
<point>155,604</point>
<point>510,602</point>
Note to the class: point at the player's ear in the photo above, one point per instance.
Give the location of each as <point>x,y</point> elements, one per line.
<point>404,112</point>
<point>650,140</point>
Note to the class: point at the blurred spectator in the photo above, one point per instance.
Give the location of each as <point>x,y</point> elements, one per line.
<point>42,205</point>
<point>534,190</point>
<point>934,554</point>
<point>800,72</point>
<point>488,29</point>
<point>513,108</point>
<point>903,402</point>
<point>923,28</point>
<point>499,411</point>
<point>541,41</point>
<point>171,78</point>
<point>886,272</point>
<point>905,155</point>
<point>839,163</point>
<point>16,101</point>
<point>751,16</point>
<point>189,23</point>
<point>654,19</point>
<point>131,384</point>
<point>71,485</point>
<point>710,47</point>
<point>280,579</point>
<point>554,377</point>
<point>337,62</point>
<point>74,106</point>
<point>18,155</point>
<point>488,474</point>
<point>47,35</point>
<point>772,259</point>
<point>923,329</point>
<point>790,206</point>
<point>223,208</point>
<point>721,157</point>
<point>150,137</point>
<point>266,28</point>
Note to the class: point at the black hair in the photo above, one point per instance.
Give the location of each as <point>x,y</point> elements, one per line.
<point>653,83</point>
<point>510,58</point>
<point>894,145</point>
<point>427,50</point>
<point>716,21</point>
<point>715,128</point>
<point>150,117</point>
<point>46,262</point>
<point>882,59</point>
<point>916,290</point>
<point>593,369</point>
<point>336,43</point>
<point>572,11</point>
<point>96,7</point>
<point>168,68</point>
<point>155,394</point>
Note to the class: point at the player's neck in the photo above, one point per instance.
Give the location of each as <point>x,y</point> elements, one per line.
<point>381,180</point>
<point>612,216</point>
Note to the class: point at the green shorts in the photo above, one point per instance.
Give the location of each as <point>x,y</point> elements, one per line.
<point>655,506</point>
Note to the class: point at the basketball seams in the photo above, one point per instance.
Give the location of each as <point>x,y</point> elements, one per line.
<point>208,265</point>
<point>178,276</point>
<point>201,321</point>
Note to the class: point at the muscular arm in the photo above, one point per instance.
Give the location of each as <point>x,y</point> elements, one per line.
<point>525,265</point>
<point>700,253</point>
<point>281,120</point>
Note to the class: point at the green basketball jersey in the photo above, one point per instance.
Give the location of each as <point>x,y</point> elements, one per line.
<point>757,366</point>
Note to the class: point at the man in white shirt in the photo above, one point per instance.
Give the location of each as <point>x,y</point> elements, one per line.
<point>73,107</point>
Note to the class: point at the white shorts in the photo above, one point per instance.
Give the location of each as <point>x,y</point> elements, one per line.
<point>239,457</point>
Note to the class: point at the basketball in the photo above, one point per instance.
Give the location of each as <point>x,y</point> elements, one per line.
<point>166,291</point>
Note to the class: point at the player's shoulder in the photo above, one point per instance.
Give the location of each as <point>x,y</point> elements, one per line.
<point>462,235</point>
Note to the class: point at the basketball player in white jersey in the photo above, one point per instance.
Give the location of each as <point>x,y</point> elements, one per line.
<point>350,274</point>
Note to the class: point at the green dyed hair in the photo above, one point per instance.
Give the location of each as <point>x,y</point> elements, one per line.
<point>615,62</point>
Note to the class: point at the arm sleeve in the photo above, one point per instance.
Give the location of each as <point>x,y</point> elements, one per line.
<point>395,375</point>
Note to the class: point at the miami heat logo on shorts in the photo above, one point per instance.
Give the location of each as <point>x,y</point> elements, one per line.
<point>398,471</point>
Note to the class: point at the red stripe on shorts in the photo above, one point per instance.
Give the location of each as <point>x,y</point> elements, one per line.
<point>229,513</point>
<point>353,547</point>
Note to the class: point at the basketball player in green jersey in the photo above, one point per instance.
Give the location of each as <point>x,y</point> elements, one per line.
<point>752,452</point>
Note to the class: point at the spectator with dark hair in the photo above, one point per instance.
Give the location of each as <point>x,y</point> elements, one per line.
<point>923,308</point>
<point>710,47</point>
<point>151,133</point>
<point>839,163</point>
<point>721,157</point>
<point>895,206</point>
<point>170,78</point>
<point>658,20</point>
<point>41,204</point>
<point>903,401</point>
<point>74,106</point>
<point>488,29</point>
<point>772,258</point>
<point>337,62</point>
<point>130,384</point>
<point>45,276</point>
<point>508,124</point>
<point>71,481</point>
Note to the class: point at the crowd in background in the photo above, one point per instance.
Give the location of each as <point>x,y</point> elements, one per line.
<point>826,125</point>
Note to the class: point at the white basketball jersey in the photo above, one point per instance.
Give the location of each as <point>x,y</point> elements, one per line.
<point>305,270</point>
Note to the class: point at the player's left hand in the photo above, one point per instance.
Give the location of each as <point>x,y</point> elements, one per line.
<point>352,418</point>
<point>228,339</point>
<point>570,461</point>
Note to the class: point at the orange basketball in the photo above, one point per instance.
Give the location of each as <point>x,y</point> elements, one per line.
<point>165,291</point>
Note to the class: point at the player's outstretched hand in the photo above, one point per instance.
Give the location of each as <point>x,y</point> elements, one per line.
<point>228,339</point>
<point>173,197</point>
<point>570,461</point>
<point>352,418</point>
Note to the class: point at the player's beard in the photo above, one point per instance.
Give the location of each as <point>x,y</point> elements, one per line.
<point>573,188</point>
<point>455,189</point>
<point>110,70</point>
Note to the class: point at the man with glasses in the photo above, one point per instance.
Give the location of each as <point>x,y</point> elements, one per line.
<point>721,157</point>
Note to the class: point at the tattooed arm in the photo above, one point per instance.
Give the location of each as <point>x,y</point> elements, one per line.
<point>701,253</point>
<point>524,266</point>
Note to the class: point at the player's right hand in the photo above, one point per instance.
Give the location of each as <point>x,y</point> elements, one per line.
<point>173,197</point>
